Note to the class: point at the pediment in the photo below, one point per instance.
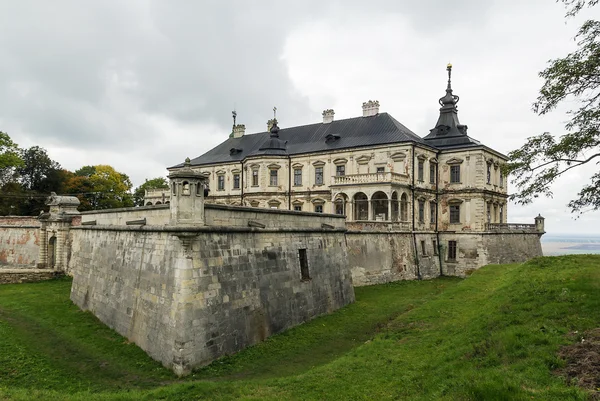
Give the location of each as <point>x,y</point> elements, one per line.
<point>364,159</point>
<point>274,166</point>
<point>340,161</point>
<point>398,156</point>
<point>318,163</point>
<point>454,160</point>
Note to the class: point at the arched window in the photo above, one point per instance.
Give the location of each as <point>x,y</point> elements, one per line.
<point>185,188</point>
<point>380,206</point>
<point>404,207</point>
<point>361,206</point>
<point>395,206</point>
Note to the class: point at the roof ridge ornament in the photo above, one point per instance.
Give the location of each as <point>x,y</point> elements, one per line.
<point>449,100</point>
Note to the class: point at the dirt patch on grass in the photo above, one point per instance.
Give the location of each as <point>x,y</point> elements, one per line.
<point>583,361</point>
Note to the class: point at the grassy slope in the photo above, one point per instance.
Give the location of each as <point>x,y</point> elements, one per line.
<point>492,336</point>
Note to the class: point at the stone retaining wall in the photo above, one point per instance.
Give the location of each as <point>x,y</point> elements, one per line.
<point>14,276</point>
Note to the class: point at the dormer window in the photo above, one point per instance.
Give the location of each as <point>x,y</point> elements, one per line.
<point>332,137</point>
<point>234,151</point>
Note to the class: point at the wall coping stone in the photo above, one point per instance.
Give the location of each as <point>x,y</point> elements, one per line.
<point>272,211</point>
<point>22,271</point>
<point>209,229</point>
<point>21,226</point>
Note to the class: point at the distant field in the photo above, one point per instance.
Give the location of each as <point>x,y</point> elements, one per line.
<point>557,244</point>
<point>493,336</point>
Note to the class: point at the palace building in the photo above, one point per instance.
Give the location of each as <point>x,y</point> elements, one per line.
<point>369,168</point>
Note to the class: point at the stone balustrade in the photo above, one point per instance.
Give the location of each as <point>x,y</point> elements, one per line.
<point>351,179</point>
<point>510,226</point>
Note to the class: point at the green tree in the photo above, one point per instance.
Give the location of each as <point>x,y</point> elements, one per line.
<point>9,158</point>
<point>544,158</point>
<point>154,183</point>
<point>100,187</point>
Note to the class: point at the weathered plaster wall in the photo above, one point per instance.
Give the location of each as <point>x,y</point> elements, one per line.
<point>19,241</point>
<point>187,295</point>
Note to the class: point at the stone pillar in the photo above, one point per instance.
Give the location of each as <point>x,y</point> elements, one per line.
<point>539,224</point>
<point>349,210</point>
<point>187,199</point>
<point>389,214</point>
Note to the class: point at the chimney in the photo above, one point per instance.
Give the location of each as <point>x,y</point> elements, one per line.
<point>239,130</point>
<point>328,116</point>
<point>370,108</point>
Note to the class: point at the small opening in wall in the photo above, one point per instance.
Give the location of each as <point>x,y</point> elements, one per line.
<point>303,264</point>
<point>435,247</point>
<point>452,251</point>
<point>423,250</point>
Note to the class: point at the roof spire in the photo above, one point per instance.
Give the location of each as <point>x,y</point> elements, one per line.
<point>449,101</point>
<point>234,115</point>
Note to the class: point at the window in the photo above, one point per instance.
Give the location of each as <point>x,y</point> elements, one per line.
<point>501,213</point>
<point>432,212</point>
<point>174,186</point>
<point>319,208</point>
<point>420,171</point>
<point>403,207</point>
<point>423,250</point>
<point>318,175</point>
<point>236,181</point>
<point>495,212</point>
<point>185,188</point>
<point>501,178</point>
<point>303,264</point>
<point>297,177</point>
<point>489,213</point>
<point>273,177</point>
<point>455,174</point>
<point>489,173</point>
<point>220,183</point>
<point>454,214</point>
<point>452,250</point>
<point>199,189</point>
<point>421,211</point>
<point>339,208</point>
<point>435,247</point>
<point>255,177</point>
<point>380,170</point>
<point>432,173</point>
<point>298,208</point>
<point>340,170</point>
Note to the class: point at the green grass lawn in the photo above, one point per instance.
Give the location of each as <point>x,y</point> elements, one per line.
<point>492,336</point>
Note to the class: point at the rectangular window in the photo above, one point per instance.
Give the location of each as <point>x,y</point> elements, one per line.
<point>432,173</point>
<point>489,213</point>
<point>273,177</point>
<point>432,213</point>
<point>236,181</point>
<point>423,250</point>
<point>380,170</point>
<point>255,177</point>
<point>501,178</point>
<point>421,211</point>
<point>318,175</point>
<point>339,208</point>
<point>221,183</point>
<point>420,171</point>
<point>319,208</point>
<point>435,248</point>
<point>298,208</point>
<point>340,170</point>
<point>454,214</point>
<point>297,177</point>
<point>455,174</point>
<point>303,264</point>
<point>495,212</point>
<point>489,173</point>
<point>501,214</point>
<point>451,250</point>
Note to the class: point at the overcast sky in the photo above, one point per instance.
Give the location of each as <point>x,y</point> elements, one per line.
<point>141,85</point>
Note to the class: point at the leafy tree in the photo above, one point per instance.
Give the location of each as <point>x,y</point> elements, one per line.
<point>100,187</point>
<point>544,158</point>
<point>154,183</point>
<point>9,158</point>
<point>36,168</point>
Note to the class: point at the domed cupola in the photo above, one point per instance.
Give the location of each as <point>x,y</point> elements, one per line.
<point>274,145</point>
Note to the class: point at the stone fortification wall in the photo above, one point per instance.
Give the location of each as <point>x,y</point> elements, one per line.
<point>384,252</point>
<point>187,295</point>
<point>15,276</point>
<point>19,241</point>
<point>155,215</point>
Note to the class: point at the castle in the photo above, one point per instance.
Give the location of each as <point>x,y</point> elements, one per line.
<point>294,219</point>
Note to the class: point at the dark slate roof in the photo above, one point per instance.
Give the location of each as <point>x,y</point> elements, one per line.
<point>380,129</point>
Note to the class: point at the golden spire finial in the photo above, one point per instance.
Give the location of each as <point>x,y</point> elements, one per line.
<point>449,66</point>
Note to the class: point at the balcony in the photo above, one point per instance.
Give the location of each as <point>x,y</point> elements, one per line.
<point>510,227</point>
<point>369,178</point>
